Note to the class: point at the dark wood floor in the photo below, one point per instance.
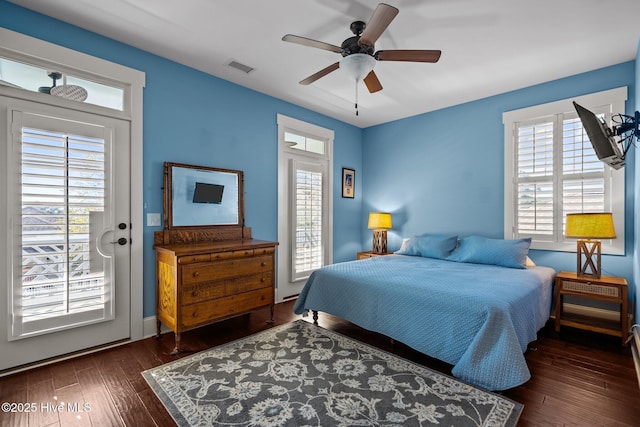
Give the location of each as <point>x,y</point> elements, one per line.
<point>578,378</point>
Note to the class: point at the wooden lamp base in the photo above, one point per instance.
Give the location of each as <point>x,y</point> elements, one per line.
<point>589,258</point>
<point>380,241</point>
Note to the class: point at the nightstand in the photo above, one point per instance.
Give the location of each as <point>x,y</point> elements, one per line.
<point>371,254</point>
<point>605,288</point>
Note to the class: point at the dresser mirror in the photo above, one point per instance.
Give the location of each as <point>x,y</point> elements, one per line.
<point>202,196</point>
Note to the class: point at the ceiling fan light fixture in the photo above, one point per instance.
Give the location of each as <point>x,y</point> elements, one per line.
<point>357,65</point>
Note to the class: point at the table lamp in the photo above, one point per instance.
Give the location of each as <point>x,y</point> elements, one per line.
<point>587,226</point>
<point>379,222</point>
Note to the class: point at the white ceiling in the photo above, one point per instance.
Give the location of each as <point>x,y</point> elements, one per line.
<point>488,47</point>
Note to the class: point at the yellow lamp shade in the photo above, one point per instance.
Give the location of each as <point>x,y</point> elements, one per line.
<point>590,226</point>
<point>379,220</point>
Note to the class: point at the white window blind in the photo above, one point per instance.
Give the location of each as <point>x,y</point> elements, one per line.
<point>308,246</point>
<point>535,178</point>
<point>551,170</point>
<point>62,190</point>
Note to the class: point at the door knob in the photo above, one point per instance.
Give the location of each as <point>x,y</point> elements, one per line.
<point>121,241</point>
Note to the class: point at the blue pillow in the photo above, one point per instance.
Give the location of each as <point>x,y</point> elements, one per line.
<point>483,250</point>
<point>437,246</point>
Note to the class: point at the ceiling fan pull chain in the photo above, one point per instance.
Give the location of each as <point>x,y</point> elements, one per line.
<point>356,97</point>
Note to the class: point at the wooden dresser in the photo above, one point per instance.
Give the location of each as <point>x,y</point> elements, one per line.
<point>208,266</point>
<point>203,282</point>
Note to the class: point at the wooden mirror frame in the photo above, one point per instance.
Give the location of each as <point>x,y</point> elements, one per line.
<point>173,233</point>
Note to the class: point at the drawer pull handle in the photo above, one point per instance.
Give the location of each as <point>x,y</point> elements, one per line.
<point>263,264</point>
<point>194,293</point>
<point>263,280</point>
<point>195,313</point>
<point>196,273</point>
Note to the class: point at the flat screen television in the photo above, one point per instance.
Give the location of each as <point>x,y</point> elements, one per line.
<point>208,193</point>
<point>601,138</point>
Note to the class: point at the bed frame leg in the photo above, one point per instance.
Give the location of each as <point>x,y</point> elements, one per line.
<point>315,317</point>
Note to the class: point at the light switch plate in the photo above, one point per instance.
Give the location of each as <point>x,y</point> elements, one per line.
<point>153,220</point>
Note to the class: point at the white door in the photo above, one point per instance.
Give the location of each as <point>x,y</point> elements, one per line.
<point>304,203</point>
<point>65,191</point>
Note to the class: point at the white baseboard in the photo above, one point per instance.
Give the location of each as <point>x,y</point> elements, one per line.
<point>149,327</point>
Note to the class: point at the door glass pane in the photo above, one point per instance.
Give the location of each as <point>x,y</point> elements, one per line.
<point>308,224</point>
<point>63,200</point>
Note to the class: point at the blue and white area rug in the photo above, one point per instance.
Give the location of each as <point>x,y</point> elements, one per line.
<point>300,374</point>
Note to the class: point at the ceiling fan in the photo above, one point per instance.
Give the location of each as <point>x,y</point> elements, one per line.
<point>359,55</point>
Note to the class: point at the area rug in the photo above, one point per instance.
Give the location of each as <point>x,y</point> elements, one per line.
<point>300,374</point>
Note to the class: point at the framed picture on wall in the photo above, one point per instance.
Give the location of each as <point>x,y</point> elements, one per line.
<point>348,183</point>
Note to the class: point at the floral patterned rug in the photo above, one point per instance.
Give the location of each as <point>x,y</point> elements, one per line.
<point>300,374</point>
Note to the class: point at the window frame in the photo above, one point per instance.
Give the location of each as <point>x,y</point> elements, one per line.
<point>611,102</point>
<point>24,48</point>
<point>287,158</point>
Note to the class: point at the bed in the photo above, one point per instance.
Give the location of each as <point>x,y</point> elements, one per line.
<point>477,317</point>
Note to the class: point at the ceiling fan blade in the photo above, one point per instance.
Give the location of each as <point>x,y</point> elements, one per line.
<point>408,55</point>
<point>372,82</point>
<point>311,43</point>
<point>312,78</point>
<point>380,20</point>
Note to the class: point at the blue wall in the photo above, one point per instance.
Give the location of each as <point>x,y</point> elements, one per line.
<point>193,117</point>
<point>443,171</point>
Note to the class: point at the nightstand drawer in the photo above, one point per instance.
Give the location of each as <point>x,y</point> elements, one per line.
<point>590,288</point>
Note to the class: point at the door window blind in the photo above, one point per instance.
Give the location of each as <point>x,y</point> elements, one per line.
<point>308,247</point>
<point>63,200</point>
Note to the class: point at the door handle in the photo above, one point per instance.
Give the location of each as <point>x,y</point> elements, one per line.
<point>121,241</point>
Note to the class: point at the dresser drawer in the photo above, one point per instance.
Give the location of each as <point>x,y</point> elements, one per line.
<point>249,283</point>
<point>190,259</point>
<point>206,272</point>
<point>264,251</point>
<point>200,292</point>
<point>218,256</point>
<point>588,288</point>
<point>196,314</point>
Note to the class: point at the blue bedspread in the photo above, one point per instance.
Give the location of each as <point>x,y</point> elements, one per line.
<point>479,318</point>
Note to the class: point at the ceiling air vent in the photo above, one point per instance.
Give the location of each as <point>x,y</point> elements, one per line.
<point>238,66</point>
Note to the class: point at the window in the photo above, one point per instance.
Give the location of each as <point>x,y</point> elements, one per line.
<point>33,78</point>
<point>304,143</point>
<point>551,170</point>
